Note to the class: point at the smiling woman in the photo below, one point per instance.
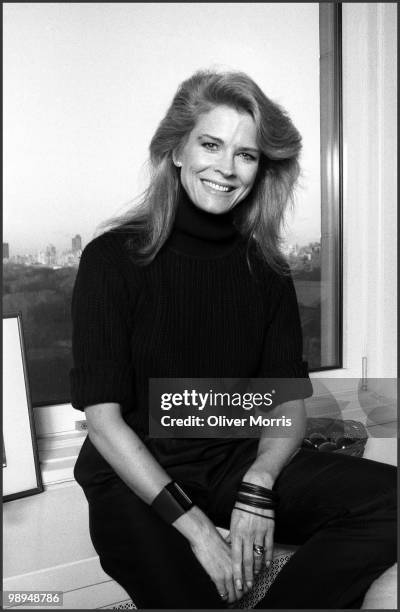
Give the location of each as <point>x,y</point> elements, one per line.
<point>192,285</point>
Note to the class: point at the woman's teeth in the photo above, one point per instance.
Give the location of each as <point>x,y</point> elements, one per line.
<point>218,187</point>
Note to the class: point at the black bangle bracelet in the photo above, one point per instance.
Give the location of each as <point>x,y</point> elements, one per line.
<point>171,502</point>
<point>260,500</point>
<point>255,513</point>
<point>248,487</point>
<point>256,503</point>
<point>257,497</point>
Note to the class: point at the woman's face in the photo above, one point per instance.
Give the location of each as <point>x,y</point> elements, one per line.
<point>220,159</point>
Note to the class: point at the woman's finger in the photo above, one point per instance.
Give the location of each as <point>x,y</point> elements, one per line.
<point>222,589</point>
<point>248,562</point>
<point>258,553</point>
<point>269,546</point>
<point>230,589</point>
<point>237,558</point>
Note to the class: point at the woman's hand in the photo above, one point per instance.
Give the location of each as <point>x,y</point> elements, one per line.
<point>246,531</point>
<point>251,527</point>
<point>214,554</point>
<point>211,550</point>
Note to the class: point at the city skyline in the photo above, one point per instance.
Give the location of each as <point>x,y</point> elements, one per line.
<point>50,256</point>
<point>19,246</point>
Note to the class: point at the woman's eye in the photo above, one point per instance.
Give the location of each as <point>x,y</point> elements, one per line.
<point>247,156</point>
<point>211,146</point>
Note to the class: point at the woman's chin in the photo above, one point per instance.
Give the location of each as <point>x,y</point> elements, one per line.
<point>215,208</point>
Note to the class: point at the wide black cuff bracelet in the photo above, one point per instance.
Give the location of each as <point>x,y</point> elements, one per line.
<point>171,502</point>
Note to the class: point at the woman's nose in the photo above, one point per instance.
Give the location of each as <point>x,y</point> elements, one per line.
<point>225,165</point>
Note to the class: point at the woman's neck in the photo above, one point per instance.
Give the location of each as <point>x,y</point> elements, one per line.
<point>200,233</point>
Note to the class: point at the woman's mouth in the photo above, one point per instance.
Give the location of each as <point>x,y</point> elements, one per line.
<point>218,186</point>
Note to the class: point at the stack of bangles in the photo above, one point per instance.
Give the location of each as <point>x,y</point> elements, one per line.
<point>255,496</point>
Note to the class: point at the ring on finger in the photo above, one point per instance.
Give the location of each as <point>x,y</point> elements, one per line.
<point>258,550</point>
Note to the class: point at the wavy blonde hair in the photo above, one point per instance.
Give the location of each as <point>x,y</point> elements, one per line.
<point>150,221</point>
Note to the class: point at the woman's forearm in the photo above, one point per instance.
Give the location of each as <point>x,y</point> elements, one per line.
<point>126,453</point>
<point>274,453</point>
<point>122,448</point>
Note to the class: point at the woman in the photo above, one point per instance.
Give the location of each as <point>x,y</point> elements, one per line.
<point>192,284</point>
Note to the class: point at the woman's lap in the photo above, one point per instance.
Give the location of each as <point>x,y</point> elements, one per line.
<point>154,562</point>
<point>151,560</point>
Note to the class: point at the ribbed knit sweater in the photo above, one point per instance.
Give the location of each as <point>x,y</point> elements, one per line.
<point>196,311</point>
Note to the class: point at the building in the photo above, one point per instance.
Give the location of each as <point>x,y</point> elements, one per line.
<point>76,243</point>
<point>6,250</point>
<point>51,255</point>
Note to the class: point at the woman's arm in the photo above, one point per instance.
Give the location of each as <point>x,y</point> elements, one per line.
<point>281,359</point>
<point>122,448</point>
<point>248,529</point>
<point>273,453</point>
<point>106,427</point>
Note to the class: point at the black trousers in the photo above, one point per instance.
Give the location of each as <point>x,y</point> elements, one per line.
<point>340,509</point>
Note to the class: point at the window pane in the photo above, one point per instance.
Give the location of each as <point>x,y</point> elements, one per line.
<point>84,92</point>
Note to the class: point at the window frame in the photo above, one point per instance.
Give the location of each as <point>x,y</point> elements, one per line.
<point>331,165</point>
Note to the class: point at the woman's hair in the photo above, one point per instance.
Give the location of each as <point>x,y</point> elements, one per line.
<point>261,218</point>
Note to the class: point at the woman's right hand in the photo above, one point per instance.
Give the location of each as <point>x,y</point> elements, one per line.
<point>212,552</point>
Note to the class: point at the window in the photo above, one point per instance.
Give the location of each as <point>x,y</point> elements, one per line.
<point>77,130</point>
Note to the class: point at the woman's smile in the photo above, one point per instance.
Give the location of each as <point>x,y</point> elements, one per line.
<point>220,187</point>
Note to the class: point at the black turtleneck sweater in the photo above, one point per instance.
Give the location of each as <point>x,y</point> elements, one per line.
<point>197,311</point>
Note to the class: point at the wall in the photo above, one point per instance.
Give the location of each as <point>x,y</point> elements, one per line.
<point>52,531</point>
<point>370,197</point>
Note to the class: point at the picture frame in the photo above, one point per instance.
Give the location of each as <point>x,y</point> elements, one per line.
<point>20,467</point>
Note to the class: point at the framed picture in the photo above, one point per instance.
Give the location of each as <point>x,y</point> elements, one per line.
<point>21,471</point>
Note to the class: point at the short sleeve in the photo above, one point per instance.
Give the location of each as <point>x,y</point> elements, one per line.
<point>102,367</point>
<point>283,344</point>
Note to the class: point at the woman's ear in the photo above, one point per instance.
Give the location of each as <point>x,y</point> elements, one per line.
<point>175,159</point>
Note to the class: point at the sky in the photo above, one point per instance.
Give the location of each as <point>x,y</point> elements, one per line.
<point>85,86</point>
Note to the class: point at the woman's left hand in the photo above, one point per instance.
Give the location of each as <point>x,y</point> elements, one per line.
<point>246,532</point>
